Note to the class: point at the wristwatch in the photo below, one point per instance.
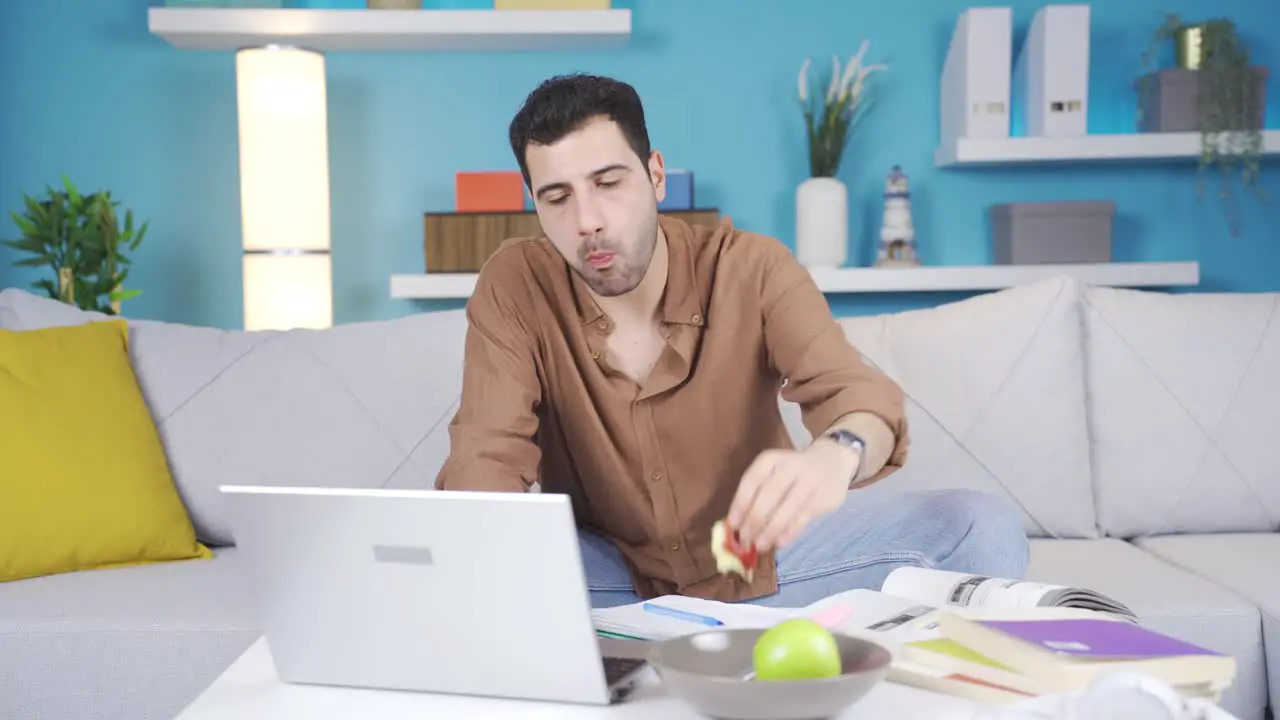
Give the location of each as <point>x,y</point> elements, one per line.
<point>850,440</point>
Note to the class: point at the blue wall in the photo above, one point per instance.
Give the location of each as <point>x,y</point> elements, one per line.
<point>86,91</point>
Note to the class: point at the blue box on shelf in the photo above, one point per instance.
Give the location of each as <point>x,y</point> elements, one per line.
<point>328,4</point>
<point>679,191</point>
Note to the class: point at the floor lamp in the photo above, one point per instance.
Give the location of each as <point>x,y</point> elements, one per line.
<point>284,188</point>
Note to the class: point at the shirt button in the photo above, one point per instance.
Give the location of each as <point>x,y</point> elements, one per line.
<point>604,325</point>
<point>697,319</point>
<point>657,476</point>
<point>595,355</point>
<point>675,547</point>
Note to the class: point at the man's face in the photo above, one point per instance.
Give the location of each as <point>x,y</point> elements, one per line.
<point>598,205</point>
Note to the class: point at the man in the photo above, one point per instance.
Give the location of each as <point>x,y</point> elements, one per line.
<point>634,362</point>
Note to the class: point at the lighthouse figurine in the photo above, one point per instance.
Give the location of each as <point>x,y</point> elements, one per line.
<point>897,234</point>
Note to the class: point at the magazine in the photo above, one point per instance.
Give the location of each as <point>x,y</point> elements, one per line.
<point>905,608</point>
<point>941,588</point>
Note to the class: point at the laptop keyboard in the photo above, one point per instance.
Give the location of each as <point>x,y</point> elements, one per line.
<point>616,668</point>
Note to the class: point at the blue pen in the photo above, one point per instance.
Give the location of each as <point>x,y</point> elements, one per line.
<point>681,614</point>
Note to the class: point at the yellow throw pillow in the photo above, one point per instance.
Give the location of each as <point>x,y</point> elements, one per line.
<point>84,480</point>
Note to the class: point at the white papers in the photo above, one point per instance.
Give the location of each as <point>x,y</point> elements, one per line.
<point>634,621</point>
<point>856,612</point>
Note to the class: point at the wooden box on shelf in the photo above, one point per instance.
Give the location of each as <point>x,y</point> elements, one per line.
<point>460,242</point>
<point>552,4</point>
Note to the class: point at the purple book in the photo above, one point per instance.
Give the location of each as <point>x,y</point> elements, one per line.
<point>1095,639</point>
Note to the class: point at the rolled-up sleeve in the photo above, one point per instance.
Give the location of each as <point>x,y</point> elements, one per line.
<point>825,374</point>
<point>492,436</point>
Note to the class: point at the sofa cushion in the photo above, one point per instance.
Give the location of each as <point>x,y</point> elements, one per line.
<point>84,482</point>
<point>995,399</point>
<point>1183,391</point>
<point>1167,599</point>
<point>121,644</point>
<point>360,405</point>
<point>1243,562</point>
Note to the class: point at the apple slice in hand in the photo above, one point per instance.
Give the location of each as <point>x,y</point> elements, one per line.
<point>730,556</point>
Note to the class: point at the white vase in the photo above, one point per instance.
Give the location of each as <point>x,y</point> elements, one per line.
<point>822,222</point>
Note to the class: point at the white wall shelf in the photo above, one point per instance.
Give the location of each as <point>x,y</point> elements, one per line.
<point>391,30</point>
<point>1089,148</point>
<point>452,286</point>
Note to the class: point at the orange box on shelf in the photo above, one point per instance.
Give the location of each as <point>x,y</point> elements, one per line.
<point>552,4</point>
<point>488,191</point>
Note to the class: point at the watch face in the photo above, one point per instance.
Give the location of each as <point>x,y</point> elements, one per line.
<point>848,439</point>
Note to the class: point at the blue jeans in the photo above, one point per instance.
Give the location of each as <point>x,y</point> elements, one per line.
<point>859,544</point>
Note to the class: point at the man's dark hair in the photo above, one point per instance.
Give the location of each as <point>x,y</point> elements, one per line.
<point>565,103</point>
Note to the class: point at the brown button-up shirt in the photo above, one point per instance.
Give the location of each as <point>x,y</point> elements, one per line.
<point>652,467</point>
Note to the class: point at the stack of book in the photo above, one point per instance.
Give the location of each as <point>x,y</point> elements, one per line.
<point>996,660</point>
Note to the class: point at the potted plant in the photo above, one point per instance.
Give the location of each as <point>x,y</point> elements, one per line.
<point>830,114</point>
<point>1215,90</point>
<point>79,237</point>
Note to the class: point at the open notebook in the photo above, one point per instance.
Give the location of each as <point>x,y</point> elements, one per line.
<point>672,615</point>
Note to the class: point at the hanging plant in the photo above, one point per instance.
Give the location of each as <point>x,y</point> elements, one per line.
<point>1228,102</point>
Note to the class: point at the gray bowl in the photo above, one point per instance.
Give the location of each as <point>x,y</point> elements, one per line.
<point>710,671</point>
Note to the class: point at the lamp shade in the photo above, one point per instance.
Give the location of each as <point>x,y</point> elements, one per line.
<point>284,188</point>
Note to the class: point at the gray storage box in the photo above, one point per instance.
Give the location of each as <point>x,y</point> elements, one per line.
<point>1031,233</point>
<point>1167,100</point>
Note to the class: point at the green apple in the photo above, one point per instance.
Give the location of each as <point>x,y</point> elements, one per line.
<point>796,649</point>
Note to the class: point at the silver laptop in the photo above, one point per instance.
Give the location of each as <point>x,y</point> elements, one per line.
<point>477,593</point>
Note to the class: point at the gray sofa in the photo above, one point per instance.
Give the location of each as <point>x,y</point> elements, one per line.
<point>1130,427</point>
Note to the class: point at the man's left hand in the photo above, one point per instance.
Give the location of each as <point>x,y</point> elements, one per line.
<point>784,490</point>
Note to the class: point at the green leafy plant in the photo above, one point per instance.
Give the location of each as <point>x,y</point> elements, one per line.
<point>829,115</point>
<point>1227,101</point>
<point>81,239</point>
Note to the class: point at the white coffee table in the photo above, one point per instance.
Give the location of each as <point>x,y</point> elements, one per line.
<point>250,690</point>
